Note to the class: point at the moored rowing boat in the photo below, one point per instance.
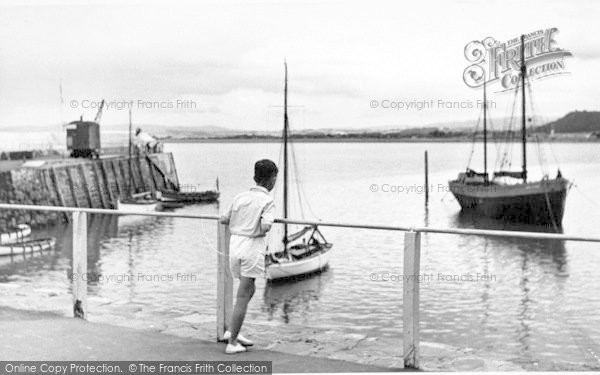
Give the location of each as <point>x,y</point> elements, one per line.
<point>137,205</point>
<point>15,234</point>
<point>190,196</point>
<point>27,246</point>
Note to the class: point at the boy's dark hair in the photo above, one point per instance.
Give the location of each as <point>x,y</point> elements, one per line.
<point>264,169</point>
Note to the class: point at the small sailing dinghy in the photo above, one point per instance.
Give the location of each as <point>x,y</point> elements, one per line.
<point>27,247</point>
<point>15,234</point>
<point>304,251</point>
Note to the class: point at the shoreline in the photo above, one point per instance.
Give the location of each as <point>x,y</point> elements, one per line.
<point>356,140</point>
<point>319,343</point>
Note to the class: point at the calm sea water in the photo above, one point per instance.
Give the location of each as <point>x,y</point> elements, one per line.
<point>530,300</point>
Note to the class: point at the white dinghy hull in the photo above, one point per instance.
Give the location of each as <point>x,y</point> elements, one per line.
<point>314,263</point>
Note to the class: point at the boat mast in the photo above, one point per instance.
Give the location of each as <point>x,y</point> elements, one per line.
<point>524,120</point>
<point>285,160</point>
<point>485,172</point>
<point>130,174</point>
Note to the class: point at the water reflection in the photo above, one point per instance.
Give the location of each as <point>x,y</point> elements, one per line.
<point>546,248</point>
<point>100,227</point>
<point>485,295</point>
<point>135,223</point>
<point>18,262</point>
<point>524,314</point>
<point>534,259</point>
<point>294,297</point>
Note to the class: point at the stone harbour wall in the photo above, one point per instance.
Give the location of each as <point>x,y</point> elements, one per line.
<point>90,183</point>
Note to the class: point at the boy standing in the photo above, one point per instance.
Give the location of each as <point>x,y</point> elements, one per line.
<point>250,216</point>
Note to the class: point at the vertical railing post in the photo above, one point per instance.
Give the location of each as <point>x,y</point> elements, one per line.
<point>79,276</point>
<point>426,179</point>
<point>410,302</point>
<point>224,280</point>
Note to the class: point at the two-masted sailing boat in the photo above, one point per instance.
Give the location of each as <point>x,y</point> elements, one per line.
<point>509,195</point>
<point>294,253</point>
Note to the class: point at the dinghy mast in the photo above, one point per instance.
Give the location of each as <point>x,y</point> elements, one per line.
<point>285,160</point>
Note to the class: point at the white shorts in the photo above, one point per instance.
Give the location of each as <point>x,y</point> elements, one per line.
<point>247,256</point>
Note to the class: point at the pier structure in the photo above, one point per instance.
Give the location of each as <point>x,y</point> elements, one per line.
<point>77,182</point>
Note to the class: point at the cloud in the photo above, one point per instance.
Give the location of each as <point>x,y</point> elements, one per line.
<point>229,57</point>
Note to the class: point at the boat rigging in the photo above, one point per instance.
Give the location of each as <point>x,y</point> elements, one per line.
<point>301,252</point>
<point>539,202</point>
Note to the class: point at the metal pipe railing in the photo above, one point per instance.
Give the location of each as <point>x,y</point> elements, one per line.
<point>411,261</point>
<point>475,232</point>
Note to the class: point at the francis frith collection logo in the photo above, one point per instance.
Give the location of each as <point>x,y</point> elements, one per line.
<point>499,63</point>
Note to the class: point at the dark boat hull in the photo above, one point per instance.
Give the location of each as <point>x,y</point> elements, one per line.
<point>190,197</point>
<point>541,202</point>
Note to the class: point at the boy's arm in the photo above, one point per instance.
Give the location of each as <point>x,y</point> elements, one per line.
<point>267,217</point>
<point>226,215</point>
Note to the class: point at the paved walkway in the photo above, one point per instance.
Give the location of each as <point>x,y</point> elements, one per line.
<point>28,335</point>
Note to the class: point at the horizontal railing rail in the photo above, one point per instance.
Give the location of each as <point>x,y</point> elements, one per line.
<point>458,231</point>
<point>411,262</point>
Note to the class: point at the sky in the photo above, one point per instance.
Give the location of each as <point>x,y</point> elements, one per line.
<point>221,63</point>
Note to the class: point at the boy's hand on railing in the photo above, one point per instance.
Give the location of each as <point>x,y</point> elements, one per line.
<point>265,227</point>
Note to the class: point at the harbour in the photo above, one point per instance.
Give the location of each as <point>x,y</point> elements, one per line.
<point>529,274</point>
<point>269,187</point>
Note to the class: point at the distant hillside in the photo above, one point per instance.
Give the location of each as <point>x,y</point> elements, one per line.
<point>575,122</point>
<point>164,131</point>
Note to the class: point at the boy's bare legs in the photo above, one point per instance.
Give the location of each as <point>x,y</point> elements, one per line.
<point>244,294</point>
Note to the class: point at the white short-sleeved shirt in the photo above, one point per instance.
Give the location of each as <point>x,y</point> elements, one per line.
<point>248,244</point>
<point>146,139</point>
<point>248,210</point>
